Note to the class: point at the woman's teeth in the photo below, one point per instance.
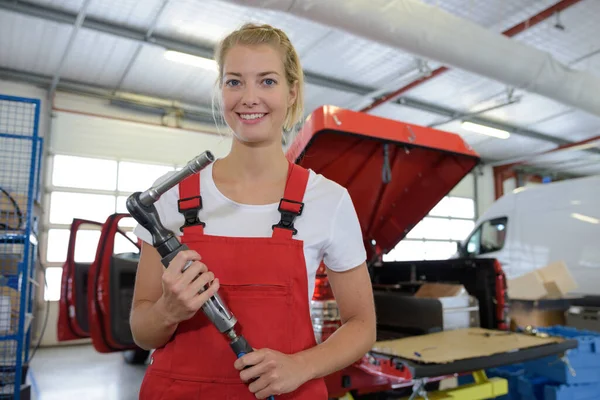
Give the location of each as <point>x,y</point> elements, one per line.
<point>251,116</point>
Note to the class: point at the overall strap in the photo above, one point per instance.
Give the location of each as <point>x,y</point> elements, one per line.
<point>291,205</point>
<point>190,202</point>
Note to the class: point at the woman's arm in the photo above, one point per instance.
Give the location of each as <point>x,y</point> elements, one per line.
<point>163,298</point>
<point>354,296</point>
<point>150,325</point>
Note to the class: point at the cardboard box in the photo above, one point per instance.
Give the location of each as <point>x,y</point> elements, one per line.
<point>537,313</point>
<point>554,281</point>
<point>440,290</point>
<point>9,264</point>
<point>10,300</point>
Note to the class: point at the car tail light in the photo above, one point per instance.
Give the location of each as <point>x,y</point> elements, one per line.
<point>324,311</point>
<point>501,297</point>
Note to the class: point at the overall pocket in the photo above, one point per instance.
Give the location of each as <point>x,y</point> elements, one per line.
<point>202,353</point>
<point>262,312</point>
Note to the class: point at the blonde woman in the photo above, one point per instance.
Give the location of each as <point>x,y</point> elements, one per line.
<point>263,269</point>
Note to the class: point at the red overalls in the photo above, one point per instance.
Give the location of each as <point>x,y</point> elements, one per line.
<point>264,284</point>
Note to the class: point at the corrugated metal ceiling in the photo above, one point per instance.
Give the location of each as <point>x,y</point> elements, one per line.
<point>34,45</point>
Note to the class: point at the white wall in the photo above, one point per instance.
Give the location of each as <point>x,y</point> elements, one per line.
<point>92,127</point>
<point>465,188</point>
<point>485,188</point>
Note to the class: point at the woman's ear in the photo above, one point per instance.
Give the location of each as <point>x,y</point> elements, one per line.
<point>293,94</point>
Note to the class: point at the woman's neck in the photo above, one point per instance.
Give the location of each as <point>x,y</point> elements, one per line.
<point>254,163</point>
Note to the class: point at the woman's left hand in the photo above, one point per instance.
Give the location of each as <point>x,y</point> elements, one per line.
<point>277,373</point>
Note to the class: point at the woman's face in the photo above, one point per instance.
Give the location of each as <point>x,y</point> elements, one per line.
<point>256,95</point>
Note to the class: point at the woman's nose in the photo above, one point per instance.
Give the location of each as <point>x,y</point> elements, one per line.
<point>250,96</point>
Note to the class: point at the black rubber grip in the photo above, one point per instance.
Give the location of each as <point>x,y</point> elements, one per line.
<point>240,346</point>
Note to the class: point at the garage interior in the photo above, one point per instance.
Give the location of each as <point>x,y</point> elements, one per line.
<point>467,133</point>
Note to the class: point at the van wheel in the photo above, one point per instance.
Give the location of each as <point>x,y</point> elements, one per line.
<point>136,356</point>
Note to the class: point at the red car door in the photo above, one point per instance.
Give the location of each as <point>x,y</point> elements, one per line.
<point>73,322</point>
<point>111,281</point>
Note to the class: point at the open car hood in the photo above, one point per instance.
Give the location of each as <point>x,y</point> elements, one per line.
<point>395,172</point>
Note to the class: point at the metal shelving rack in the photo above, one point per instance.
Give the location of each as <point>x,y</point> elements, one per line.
<point>20,164</point>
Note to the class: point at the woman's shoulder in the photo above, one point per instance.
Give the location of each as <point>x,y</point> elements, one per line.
<point>324,190</point>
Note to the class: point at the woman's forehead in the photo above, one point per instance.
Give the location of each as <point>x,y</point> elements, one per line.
<point>258,59</point>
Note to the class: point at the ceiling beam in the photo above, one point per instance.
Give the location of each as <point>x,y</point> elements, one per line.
<point>205,50</point>
<point>125,32</point>
<point>586,144</point>
<point>140,46</point>
<point>61,64</point>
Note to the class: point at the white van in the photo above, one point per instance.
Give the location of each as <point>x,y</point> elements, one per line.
<point>534,226</point>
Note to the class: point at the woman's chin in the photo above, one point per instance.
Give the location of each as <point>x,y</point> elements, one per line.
<point>254,138</point>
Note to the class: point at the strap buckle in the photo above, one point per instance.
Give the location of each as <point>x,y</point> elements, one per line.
<point>289,214</point>
<point>190,213</point>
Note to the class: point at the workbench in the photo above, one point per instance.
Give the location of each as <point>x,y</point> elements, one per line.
<point>471,350</point>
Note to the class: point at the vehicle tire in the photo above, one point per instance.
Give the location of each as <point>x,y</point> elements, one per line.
<point>136,356</point>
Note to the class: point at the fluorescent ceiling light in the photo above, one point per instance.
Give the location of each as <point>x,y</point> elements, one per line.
<point>189,59</point>
<point>585,218</point>
<point>485,130</point>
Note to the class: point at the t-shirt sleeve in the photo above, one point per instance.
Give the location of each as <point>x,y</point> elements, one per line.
<point>345,249</point>
<point>166,206</point>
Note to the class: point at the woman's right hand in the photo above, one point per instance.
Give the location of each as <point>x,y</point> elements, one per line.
<point>182,291</point>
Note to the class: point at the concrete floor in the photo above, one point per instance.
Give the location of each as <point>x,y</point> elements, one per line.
<point>79,372</point>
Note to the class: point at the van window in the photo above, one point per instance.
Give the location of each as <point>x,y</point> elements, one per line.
<point>488,237</point>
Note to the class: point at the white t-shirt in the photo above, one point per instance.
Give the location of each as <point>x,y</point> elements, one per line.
<point>328,225</point>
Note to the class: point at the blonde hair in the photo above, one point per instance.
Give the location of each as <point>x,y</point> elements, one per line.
<point>251,34</point>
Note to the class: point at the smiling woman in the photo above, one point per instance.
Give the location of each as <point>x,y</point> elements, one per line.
<point>262,228</point>
<point>260,80</point>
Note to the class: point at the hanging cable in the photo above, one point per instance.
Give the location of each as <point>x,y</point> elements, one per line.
<point>17,212</point>
<point>386,174</point>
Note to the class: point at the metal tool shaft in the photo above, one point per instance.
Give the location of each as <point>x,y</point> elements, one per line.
<point>150,196</point>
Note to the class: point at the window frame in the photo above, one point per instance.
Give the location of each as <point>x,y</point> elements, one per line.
<point>49,188</point>
<point>479,228</point>
<point>425,239</point>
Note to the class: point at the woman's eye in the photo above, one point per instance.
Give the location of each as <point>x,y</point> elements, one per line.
<point>232,82</point>
<point>270,82</point>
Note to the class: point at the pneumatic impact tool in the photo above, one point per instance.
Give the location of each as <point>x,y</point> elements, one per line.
<point>141,207</point>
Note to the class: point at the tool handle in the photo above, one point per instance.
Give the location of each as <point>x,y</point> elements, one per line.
<point>241,347</point>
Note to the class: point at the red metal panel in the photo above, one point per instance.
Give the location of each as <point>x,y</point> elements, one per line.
<point>338,119</point>
<point>349,148</point>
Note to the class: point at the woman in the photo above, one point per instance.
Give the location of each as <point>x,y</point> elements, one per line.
<point>263,270</point>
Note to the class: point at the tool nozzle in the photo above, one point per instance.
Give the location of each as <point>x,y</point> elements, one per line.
<point>197,164</point>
